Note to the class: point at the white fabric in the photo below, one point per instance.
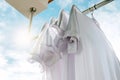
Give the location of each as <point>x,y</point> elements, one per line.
<point>80,50</point>
<point>97,60</point>
<point>63,20</point>
<point>44,50</point>
<point>53,21</point>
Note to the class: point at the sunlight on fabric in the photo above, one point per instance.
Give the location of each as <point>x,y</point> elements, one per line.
<point>22,38</point>
<point>112,33</point>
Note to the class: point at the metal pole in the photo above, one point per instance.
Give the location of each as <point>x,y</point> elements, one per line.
<point>96,6</point>
<point>32,11</point>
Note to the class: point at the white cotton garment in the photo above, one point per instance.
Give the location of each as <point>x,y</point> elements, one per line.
<point>44,51</point>
<point>97,60</point>
<point>59,71</point>
<point>80,50</point>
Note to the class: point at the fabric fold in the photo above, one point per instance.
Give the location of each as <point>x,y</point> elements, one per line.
<point>72,33</point>
<point>63,20</point>
<point>45,52</point>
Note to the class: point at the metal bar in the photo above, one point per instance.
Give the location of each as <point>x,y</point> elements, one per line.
<point>96,6</point>
<point>32,11</point>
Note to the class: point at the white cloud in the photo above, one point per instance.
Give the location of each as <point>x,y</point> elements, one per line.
<point>2,24</point>
<point>2,37</point>
<point>64,3</point>
<point>17,55</point>
<point>112,6</point>
<point>21,62</point>
<point>21,68</point>
<point>4,74</point>
<point>24,67</point>
<point>3,61</point>
<point>10,75</point>
<point>1,49</point>
<point>3,5</point>
<point>67,3</point>
<point>25,77</point>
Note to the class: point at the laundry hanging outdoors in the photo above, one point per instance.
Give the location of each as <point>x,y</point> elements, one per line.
<point>59,40</point>
<point>73,47</point>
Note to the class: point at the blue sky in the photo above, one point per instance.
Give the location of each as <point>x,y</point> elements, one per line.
<point>15,49</point>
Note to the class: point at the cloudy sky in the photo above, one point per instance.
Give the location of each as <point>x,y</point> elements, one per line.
<point>15,46</point>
